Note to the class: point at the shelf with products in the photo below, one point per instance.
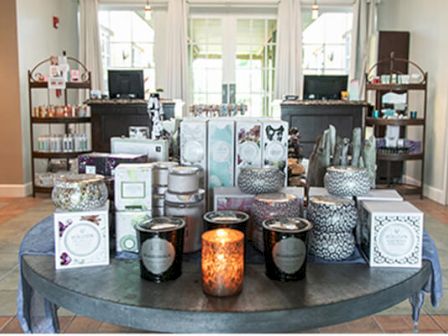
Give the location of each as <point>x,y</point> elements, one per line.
<point>63,120</point>
<point>393,82</point>
<point>63,114</point>
<point>394,122</point>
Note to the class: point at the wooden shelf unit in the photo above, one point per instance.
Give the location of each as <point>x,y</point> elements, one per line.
<point>380,89</point>
<point>35,83</point>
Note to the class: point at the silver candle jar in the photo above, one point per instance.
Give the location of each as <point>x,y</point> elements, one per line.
<point>261,180</point>
<point>347,181</point>
<point>183,179</point>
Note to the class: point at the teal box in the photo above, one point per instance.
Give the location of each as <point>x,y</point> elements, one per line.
<point>221,153</point>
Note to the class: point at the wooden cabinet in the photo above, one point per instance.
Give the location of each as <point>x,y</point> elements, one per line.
<point>313,117</point>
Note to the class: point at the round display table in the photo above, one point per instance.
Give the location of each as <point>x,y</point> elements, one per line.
<point>330,294</point>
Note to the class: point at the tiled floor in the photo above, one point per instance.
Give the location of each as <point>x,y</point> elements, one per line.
<point>18,215</point>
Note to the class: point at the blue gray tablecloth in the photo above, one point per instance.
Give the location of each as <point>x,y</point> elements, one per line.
<point>38,315</point>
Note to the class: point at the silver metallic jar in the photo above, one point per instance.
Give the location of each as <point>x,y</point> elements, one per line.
<point>332,214</point>
<point>261,180</point>
<point>191,209</point>
<point>347,181</point>
<point>79,192</point>
<point>183,179</point>
<point>332,246</point>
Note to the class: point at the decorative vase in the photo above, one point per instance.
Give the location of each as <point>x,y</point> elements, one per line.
<point>331,214</point>
<point>332,246</point>
<point>260,180</point>
<point>347,181</point>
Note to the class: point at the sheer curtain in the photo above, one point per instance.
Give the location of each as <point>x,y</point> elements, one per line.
<point>176,53</point>
<point>89,43</point>
<point>288,68</point>
<point>364,41</point>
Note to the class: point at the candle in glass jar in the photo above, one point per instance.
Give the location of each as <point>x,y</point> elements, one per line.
<point>222,262</point>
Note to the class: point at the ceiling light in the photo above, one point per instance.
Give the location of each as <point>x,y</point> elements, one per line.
<point>315,10</point>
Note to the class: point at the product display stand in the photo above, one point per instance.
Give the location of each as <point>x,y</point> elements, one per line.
<point>37,81</point>
<point>380,124</point>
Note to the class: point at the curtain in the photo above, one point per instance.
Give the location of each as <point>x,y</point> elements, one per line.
<point>176,52</point>
<point>89,43</point>
<point>364,41</point>
<point>288,67</point>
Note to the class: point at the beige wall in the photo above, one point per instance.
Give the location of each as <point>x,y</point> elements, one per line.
<point>426,21</point>
<point>11,140</point>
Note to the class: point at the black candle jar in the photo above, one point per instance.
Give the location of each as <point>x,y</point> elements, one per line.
<point>230,219</point>
<point>161,242</point>
<point>286,247</point>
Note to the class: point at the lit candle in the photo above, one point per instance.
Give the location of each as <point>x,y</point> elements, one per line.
<point>222,262</point>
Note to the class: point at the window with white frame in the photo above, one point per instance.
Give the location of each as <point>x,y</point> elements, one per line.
<point>241,48</point>
<point>127,42</point>
<point>327,42</point>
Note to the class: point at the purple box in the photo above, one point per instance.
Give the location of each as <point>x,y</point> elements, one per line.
<point>105,163</point>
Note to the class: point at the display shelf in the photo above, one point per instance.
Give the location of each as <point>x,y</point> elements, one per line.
<point>394,122</point>
<point>42,190</point>
<point>392,161</point>
<point>68,85</point>
<point>53,155</point>
<point>400,157</point>
<point>395,87</point>
<point>75,120</point>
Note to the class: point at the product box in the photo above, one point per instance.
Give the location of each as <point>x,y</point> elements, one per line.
<point>231,198</point>
<point>318,191</point>
<point>392,234</point>
<point>275,145</point>
<point>155,150</point>
<point>133,187</point>
<point>193,144</point>
<point>105,163</point>
<point>386,195</point>
<point>126,235</point>
<point>81,238</point>
<point>248,144</point>
<point>221,153</point>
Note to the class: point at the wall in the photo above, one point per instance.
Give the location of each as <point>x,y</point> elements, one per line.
<point>11,172</point>
<point>37,40</point>
<point>426,21</point>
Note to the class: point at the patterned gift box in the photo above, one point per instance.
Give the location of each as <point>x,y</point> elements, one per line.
<point>133,187</point>
<point>248,144</point>
<point>193,145</point>
<point>105,163</point>
<point>126,235</point>
<point>221,153</point>
<point>392,234</point>
<point>275,145</point>
<point>386,195</point>
<point>81,238</point>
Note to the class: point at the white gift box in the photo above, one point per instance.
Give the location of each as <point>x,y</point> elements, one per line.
<point>133,187</point>
<point>156,150</point>
<point>392,234</point>
<point>193,143</point>
<point>248,144</point>
<point>386,195</point>
<point>317,191</point>
<point>81,238</point>
<point>275,145</point>
<point>126,235</point>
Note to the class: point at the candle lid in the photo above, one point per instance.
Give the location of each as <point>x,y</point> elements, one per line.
<point>331,201</point>
<point>287,225</point>
<point>184,170</point>
<point>74,180</point>
<point>226,217</point>
<point>161,224</point>
<point>345,169</point>
<point>165,165</point>
<point>275,198</point>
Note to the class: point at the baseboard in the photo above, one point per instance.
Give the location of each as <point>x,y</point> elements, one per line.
<point>437,195</point>
<point>15,190</point>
